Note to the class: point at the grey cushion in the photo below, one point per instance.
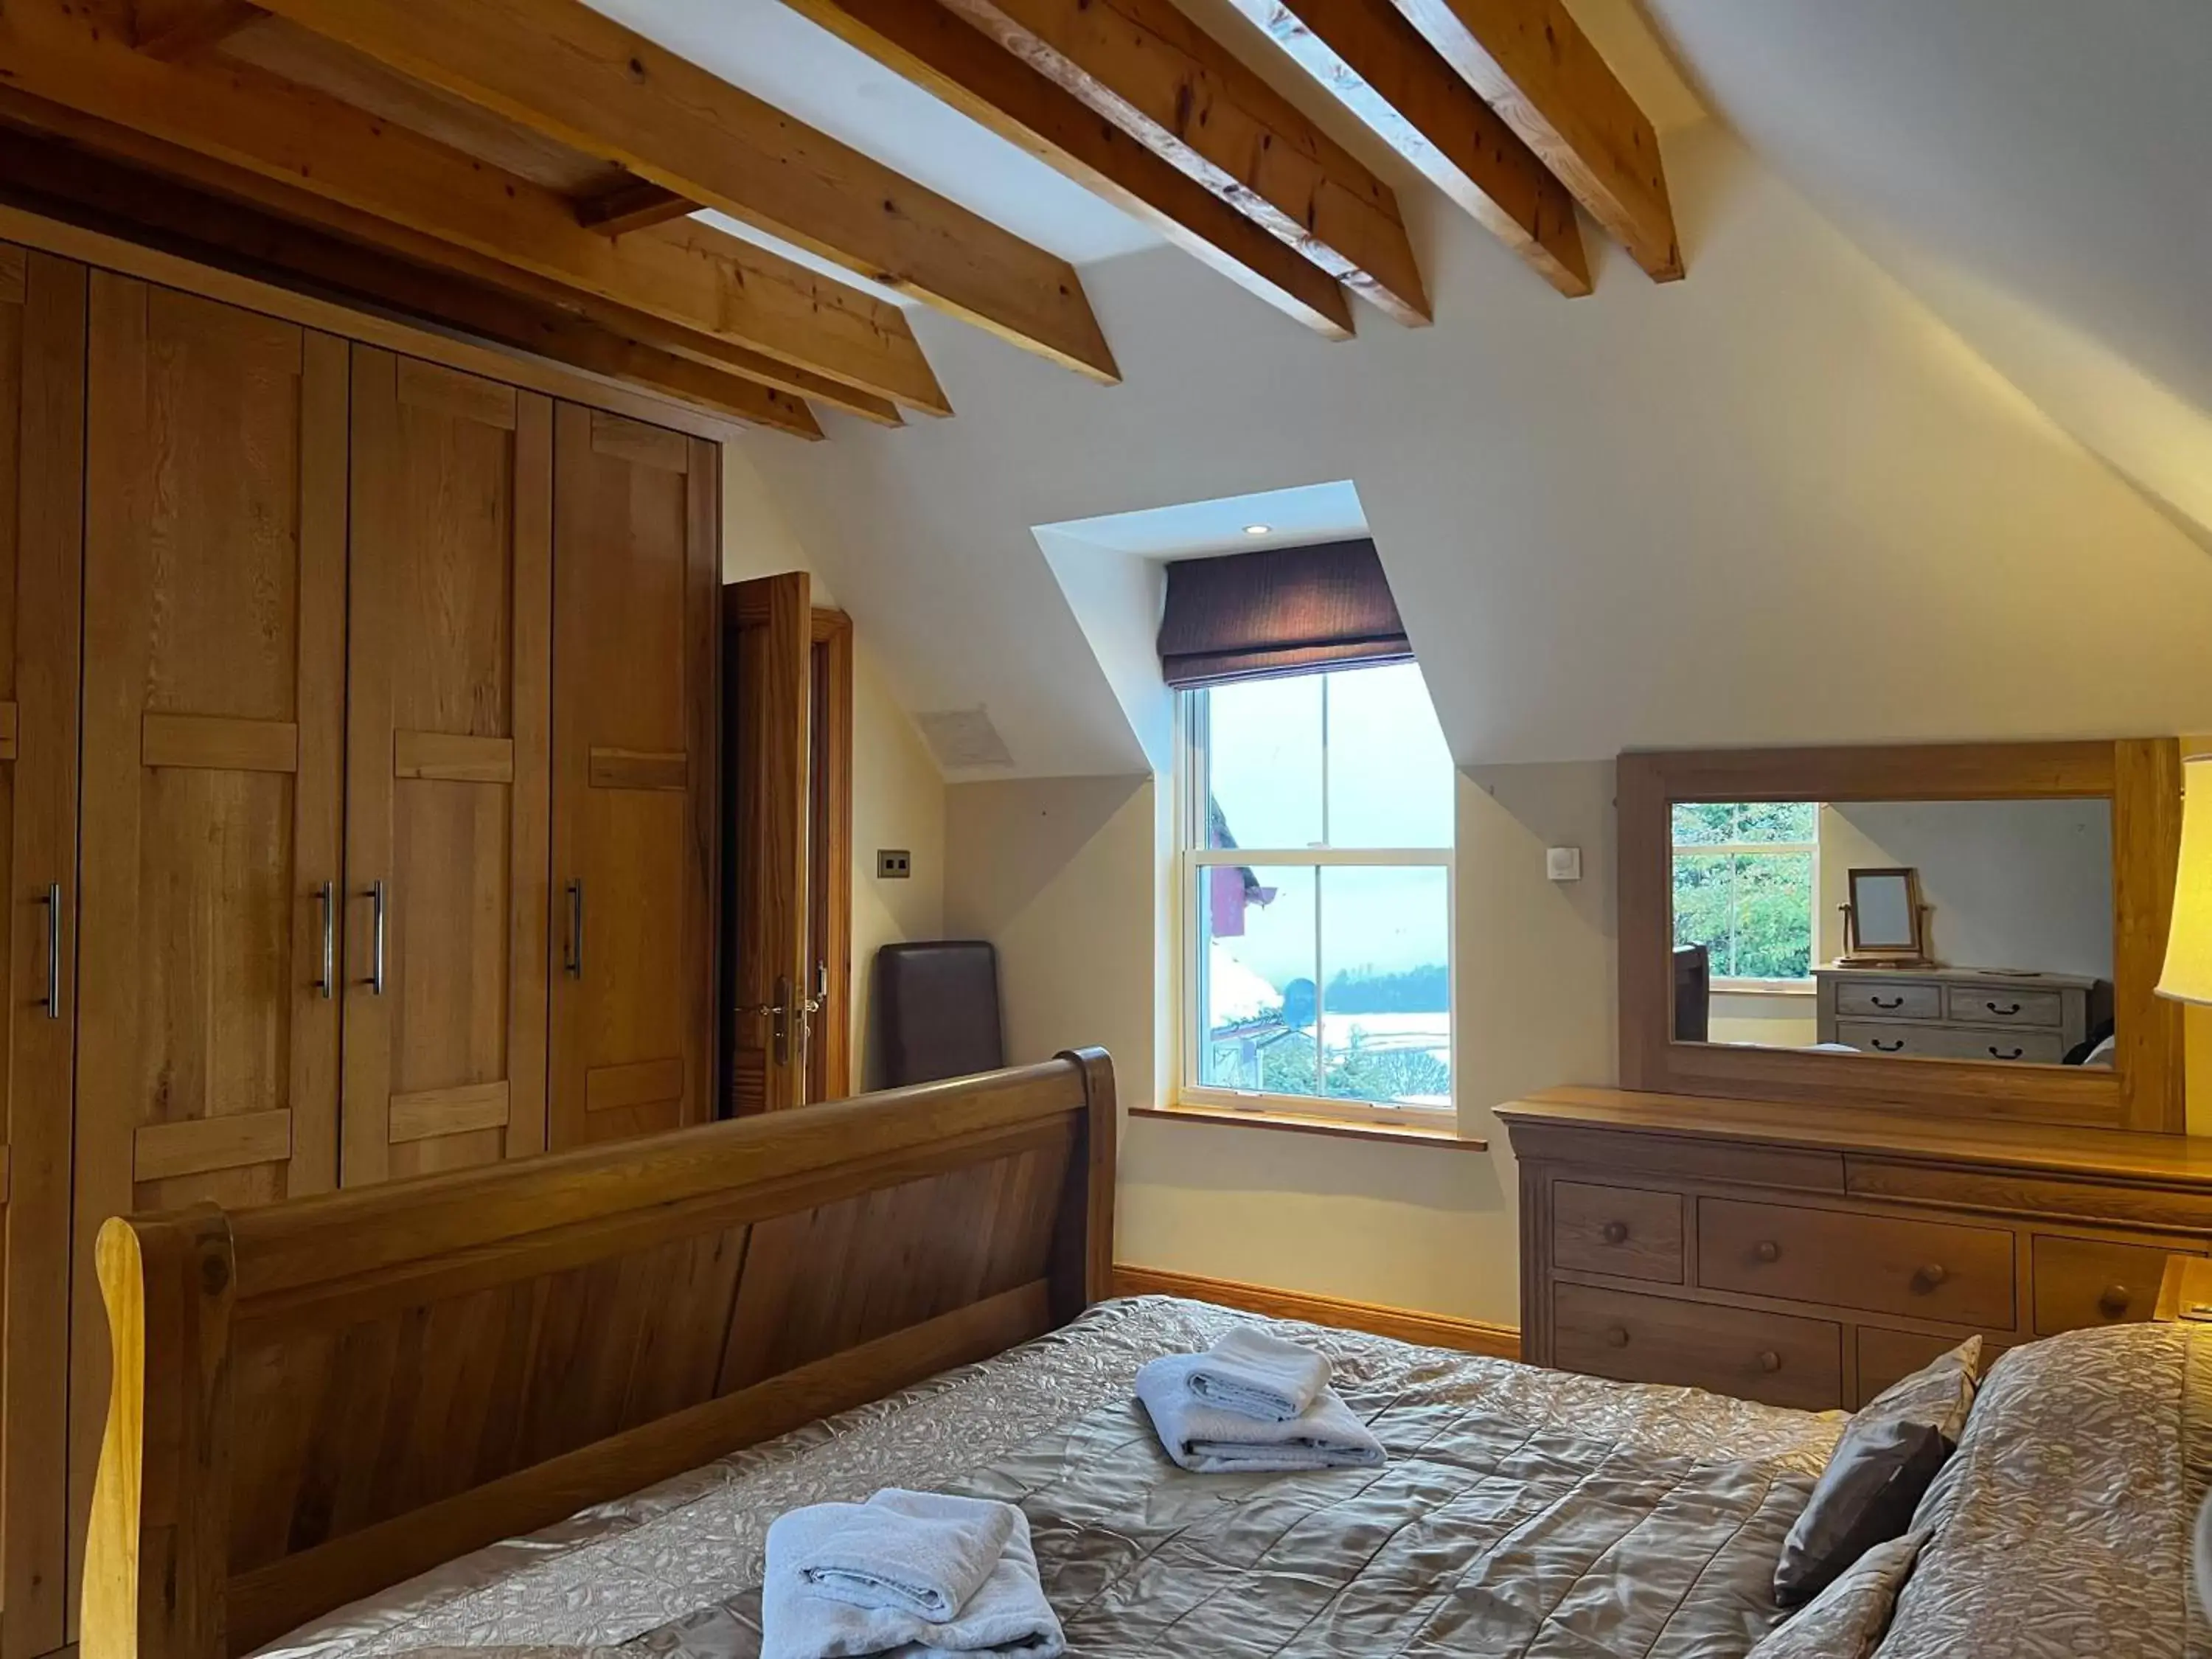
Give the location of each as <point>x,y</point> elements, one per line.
<point>1888,1454</point>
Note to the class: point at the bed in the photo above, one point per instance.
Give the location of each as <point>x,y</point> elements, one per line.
<point>553,1407</point>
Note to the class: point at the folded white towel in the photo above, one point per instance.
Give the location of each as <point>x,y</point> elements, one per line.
<point>925,1553</point>
<point>1210,1441</point>
<point>1257,1375</point>
<point>1007,1614</point>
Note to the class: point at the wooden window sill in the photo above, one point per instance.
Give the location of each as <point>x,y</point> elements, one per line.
<point>1298,1124</point>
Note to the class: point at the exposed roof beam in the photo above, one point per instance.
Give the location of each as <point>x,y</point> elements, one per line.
<point>631,205</point>
<point>938,52</point>
<point>419,199</point>
<point>55,179</point>
<point>1381,71</point>
<point>1538,70</point>
<point>176,29</point>
<point>561,69</point>
<point>1148,69</point>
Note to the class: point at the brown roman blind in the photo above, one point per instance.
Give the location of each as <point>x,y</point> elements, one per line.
<point>1280,611</point>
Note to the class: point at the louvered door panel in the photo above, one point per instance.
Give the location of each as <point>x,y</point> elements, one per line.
<point>214,676</point>
<point>448,700</point>
<point>633,778</point>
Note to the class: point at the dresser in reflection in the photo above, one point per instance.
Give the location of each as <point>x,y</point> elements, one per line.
<point>1810,1256</point>
<point>1961,1013</point>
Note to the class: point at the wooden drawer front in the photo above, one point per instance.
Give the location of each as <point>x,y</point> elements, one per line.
<point>1650,1338</point>
<point>2087,1281</point>
<point>1884,1355</point>
<point>1984,1005</point>
<point>1929,1269</point>
<point>2030,1047</point>
<point>1902,998</point>
<point>1617,1229</point>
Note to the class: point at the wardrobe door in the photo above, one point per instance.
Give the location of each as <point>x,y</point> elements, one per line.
<point>449,691</point>
<point>635,562</point>
<point>214,669</point>
<point>41,518</point>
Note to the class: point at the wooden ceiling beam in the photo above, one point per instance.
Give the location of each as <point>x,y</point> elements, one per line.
<point>1533,66</point>
<point>924,43</point>
<point>370,179</point>
<point>177,29</point>
<point>633,204</point>
<point>1377,64</point>
<point>46,176</point>
<point>1148,69</point>
<point>561,69</point>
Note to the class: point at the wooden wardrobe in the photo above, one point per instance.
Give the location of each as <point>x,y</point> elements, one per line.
<point>357,799</point>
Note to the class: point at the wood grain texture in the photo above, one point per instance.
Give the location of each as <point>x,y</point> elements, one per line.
<point>42,368</point>
<point>2082,1282</point>
<point>218,744</point>
<point>1778,1358</point>
<point>213,596</point>
<point>362,175</point>
<point>1928,1269</point>
<point>1621,1230</point>
<point>561,69</point>
<point>1151,71</point>
<point>767,629</point>
<point>930,46</point>
<point>1429,1330</point>
<point>829,1033</point>
<point>1341,1128</point>
<point>2142,1090</point>
<point>427,1365</point>
<point>177,29</point>
<point>448,801</point>
<point>636,564</point>
<point>235,1140</point>
<point>1379,68</point>
<point>432,1114</point>
<point>1532,64</point>
<point>629,204</point>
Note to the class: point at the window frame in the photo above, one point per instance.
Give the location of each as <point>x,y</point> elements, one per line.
<point>1192,739</point>
<point>1734,985</point>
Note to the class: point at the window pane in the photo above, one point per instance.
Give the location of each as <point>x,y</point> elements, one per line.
<point>1256,978</point>
<point>1386,1013</point>
<point>1705,906</point>
<point>1774,915</point>
<point>1704,823</point>
<point>1390,773</point>
<point>1775,820</point>
<point>1263,755</point>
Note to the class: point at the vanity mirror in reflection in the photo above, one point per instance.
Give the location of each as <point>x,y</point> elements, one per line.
<point>1947,930</point>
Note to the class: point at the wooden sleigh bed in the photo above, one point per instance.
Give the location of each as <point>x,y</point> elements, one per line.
<point>317,1399</point>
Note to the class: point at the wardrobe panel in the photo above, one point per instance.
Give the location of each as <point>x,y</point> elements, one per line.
<point>448,799</point>
<point>42,318</point>
<point>635,568</point>
<point>215,548</point>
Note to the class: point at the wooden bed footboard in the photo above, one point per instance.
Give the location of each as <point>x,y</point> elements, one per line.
<point>317,1399</point>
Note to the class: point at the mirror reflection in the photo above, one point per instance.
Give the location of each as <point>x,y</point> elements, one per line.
<point>1925,930</point>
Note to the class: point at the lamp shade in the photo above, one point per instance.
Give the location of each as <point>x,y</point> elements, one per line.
<point>2188,976</point>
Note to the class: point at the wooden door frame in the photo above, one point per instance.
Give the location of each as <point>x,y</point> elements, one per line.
<point>830,858</point>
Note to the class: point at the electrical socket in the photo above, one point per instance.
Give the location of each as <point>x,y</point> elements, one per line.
<point>893,864</point>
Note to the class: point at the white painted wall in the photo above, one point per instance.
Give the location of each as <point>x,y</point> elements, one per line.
<point>2020,883</point>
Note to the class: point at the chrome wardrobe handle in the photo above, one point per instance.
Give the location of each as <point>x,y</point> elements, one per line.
<point>326,900</point>
<point>376,911</point>
<point>51,1002</point>
<point>572,955</point>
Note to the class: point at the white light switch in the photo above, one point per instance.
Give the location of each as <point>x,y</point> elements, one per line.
<point>1563,863</point>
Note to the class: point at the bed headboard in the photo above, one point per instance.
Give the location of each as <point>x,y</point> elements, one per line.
<point>317,1399</point>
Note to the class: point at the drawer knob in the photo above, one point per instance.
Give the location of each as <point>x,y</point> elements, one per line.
<point>1932,1275</point>
<point>1769,1360</point>
<point>2114,1302</point>
<point>1616,1336</point>
<point>1896,1047</point>
<point>1886,1002</point>
<point>1614,1232</point>
<point>1768,1250</point>
<point>2006,1054</point>
<point>2005,1010</point>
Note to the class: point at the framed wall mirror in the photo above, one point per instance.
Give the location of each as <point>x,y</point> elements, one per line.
<point>1975,929</point>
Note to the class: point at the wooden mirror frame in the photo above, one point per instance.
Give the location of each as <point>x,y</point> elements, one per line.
<point>2143,1089</point>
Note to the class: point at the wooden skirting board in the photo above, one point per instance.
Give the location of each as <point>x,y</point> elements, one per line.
<point>1431,1330</point>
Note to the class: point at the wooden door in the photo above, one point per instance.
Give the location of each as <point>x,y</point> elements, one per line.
<point>767,712</point>
<point>636,551</point>
<point>214,672</point>
<point>829,1025</point>
<point>42,301</point>
<point>449,694</point>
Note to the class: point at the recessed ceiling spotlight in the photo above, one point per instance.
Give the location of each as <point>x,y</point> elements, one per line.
<point>1258,529</point>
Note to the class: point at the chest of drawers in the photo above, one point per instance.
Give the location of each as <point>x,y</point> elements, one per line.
<point>1810,1256</point>
<point>1959,1013</point>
